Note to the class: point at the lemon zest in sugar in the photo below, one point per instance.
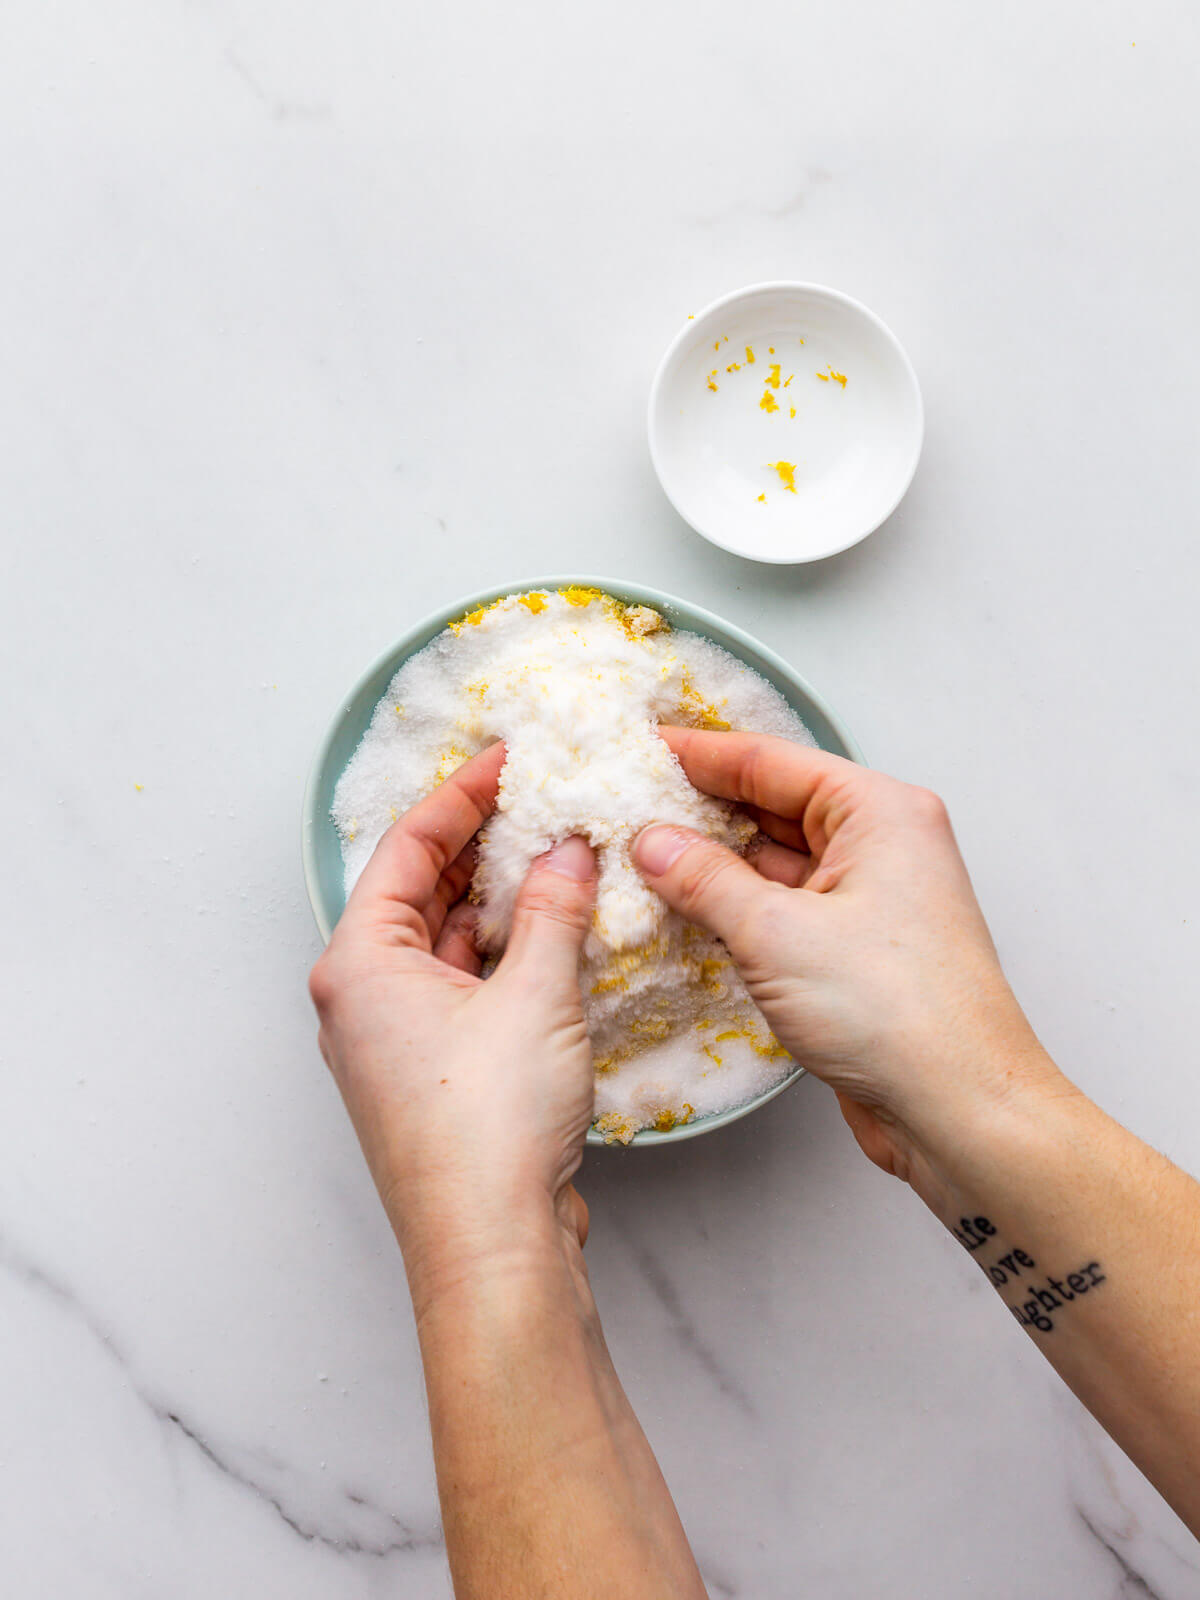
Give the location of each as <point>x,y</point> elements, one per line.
<point>575,684</point>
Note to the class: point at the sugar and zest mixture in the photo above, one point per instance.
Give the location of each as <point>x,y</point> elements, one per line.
<point>575,683</point>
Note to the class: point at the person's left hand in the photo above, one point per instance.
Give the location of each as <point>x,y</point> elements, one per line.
<point>470,1098</point>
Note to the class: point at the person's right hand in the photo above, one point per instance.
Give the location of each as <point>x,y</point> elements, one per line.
<point>859,937</point>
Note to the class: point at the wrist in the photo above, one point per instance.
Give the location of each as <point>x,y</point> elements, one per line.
<point>965,1076</point>
<point>973,1103</point>
<point>461,1238</point>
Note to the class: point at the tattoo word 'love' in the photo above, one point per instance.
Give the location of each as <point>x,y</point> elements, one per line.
<point>1016,1266</point>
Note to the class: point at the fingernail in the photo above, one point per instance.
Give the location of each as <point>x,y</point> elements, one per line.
<point>573,858</point>
<point>657,849</point>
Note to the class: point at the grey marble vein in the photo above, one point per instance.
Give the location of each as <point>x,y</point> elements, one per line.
<point>789,207</point>
<point>718,1588</point>
<point>281,110</point>
<point>1133,1584</point>
<point>1123,1523</point>
<point>27,1272</point>
<point>407,1539</point>
<point>684,1329</point>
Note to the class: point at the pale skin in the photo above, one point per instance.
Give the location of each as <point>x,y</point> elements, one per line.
<point>858,934</point>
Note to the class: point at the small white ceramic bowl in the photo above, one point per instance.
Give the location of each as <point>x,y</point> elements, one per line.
<point>829,455</point>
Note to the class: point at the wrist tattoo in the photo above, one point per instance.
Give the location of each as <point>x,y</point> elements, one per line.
<point>1016,1268</point>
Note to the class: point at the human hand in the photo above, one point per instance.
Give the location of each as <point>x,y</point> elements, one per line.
<point>858,935</point>
<point>470,1098</point>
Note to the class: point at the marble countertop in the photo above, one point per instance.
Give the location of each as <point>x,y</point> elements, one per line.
<point>318,316</point>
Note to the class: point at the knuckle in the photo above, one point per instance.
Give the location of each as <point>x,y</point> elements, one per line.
<point>700,876</point>
<point>928,807</point>
<point>407,923</point>
<point>323,983</point>
<point>548,903</point>
<point>332,975</point>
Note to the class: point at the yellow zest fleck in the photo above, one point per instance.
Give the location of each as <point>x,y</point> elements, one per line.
<point>717,345</point>
<point>449,762</point>
<point>576,595</point>
<point>534,601</point>
<point>712,1054</point>
<point>802,341</point>
<point>656,1028</point>
<point>696,708</point>
<point>763,496</point>
<point>773,375</point>
<point>734,366</point>
<point>768,402</point>
<point>395,813</point>
<point>709,975</point>
<point>773,1049</point>
<point>705,1022</point>
<point>787,474</point>
<point>352,832</point>
<point>770,349</point>
<point>713,386</point>
<point>640,956</point>
<point>691,316</point>
<point>399,710</point>
<point>788,379</point>
<point>139,787</point>
<point>664,1121</point>
<point>731,1033</point>
<point>749,356</point>
<point>474,618</point>
<point>607,985</point>
<point>837,377</point>
<point>792,411</point>
<point>615,1127</point>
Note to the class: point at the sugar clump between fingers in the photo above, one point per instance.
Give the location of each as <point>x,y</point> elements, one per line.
<point>575,683</point>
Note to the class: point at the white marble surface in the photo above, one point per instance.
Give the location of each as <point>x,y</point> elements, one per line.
<point>316,316</point>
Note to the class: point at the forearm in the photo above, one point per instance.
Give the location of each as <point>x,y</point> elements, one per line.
<point>1092,1241</point>
<point>548,1485</point>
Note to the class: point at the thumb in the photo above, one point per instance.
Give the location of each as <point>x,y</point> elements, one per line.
<point>702,880</point>
<point>552,914</point>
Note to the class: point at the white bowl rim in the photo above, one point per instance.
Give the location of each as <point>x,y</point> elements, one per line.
<point>775,285</point>
<point>399,650</point>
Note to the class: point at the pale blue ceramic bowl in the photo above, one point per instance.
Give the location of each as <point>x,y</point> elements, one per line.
<point>322,851</point>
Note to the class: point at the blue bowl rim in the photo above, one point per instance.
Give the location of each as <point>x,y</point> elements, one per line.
<point>699,621</point>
